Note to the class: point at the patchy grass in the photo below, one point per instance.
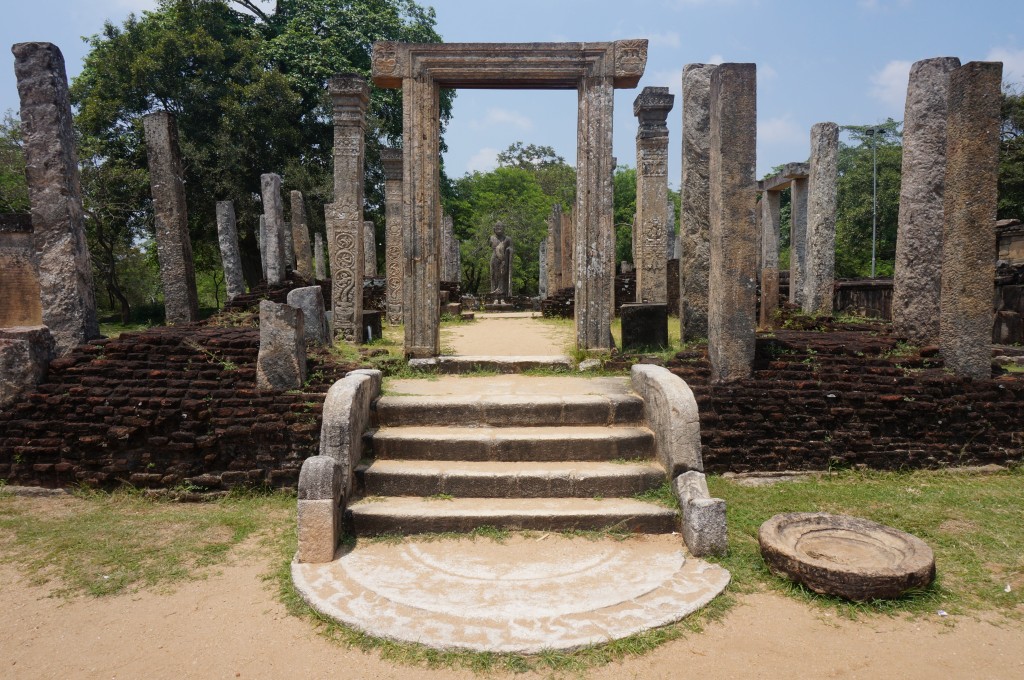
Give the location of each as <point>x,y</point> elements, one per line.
<point>103,544</point>
<point>114,329</point>
<point>972,522</point>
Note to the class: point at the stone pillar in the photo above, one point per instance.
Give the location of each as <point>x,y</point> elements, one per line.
<point>567,279</point>
<point>542,279</point>
<point>969,215</point>
<point>553,251</point>
<point>449,249</point>
<point>694,215</point>
<point>394,262</point>
<point>651,108</point>
<point>671,237</point>
<point>310,299</point>
<point>594,231</point>
<point>369,249</point>
<point>281,362</point>
<point>349,96</point>
<point>300,237</point>
<point>262,234</point>
<point>771,224</point>
<point>421,217</point>
<point>231,259</point>
<point>173,246</point>
<point>273,212</point>
<point>54,187</point>
<point>289,244</point>
<point>797,240</point>
<point>318,252</point>
<point>918,270</point>
<point>821,219</point>
<point>732,280</point>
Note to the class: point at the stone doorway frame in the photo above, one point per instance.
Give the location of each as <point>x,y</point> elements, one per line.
<point>594,70</point>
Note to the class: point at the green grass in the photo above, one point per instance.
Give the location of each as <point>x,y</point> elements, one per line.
<point>113,329</point>
<point>972,522</point>
<point>102,544</point>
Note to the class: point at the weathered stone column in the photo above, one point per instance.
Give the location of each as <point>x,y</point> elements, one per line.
<point>918,271</point>
<point>651,108</point>
<point>369,249</point>
<point>421,217</point>
<point>694,216</point>
<point>300,237</point>
<point>289,244</point>
<point>969,215</point>
<point>394,262</point>
<point>797,240</point>
<point>449,249</point>
<point>732,280</point>
<point>273,213</point>
<point>594,232</point>
<point>231,259</point>
<point>771,224</point>
<point>567,279</point>
<point>542,277</point>
<point>54,188</point>
<point>262,236</point>
<point>671,236</point>
<point>173,246</point>
<point>821,218</point>
<point>350,96</point>
<point>553,251</point>
<point>318,252</point>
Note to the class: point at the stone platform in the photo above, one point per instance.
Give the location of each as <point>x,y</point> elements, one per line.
<point>529,593</point>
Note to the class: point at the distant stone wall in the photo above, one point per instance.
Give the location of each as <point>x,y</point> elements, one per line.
<point>820,400</point>
<point>160,408</point>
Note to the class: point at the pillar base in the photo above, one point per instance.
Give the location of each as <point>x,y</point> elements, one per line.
<point>644,326</point>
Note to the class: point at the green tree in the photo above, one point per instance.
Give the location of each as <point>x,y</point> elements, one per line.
<point>854,201</point>
<point>13,188</point>
<point>1011,155</point>
<point>624,211</point>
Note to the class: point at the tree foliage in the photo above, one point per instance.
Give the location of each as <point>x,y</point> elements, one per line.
<point>248,88</point>
<point>13,189</point>
<point>1011,155</point>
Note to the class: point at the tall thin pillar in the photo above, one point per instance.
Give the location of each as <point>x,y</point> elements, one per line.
<point>55,192</point>
<point>231,259</point>
<point>732,280</point>
<point>369,249</point>
<point>273,213</point>
<point>651,107</point>
<point>300,237</point>
<point>969,216</point>
<point>694,216</point>
<point>770,233</point>
<point>349,96</point>
<point>917,275</point>
<point>393,260</point>
<point>318,253</point>
<point>173,246</point>
<point>797,240</point>
<point>821,218</point>
<point>594,231</point>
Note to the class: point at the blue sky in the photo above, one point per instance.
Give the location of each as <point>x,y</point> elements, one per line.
<point>818,60</point>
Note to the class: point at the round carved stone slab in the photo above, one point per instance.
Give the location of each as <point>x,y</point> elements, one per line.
<point>846,556</point>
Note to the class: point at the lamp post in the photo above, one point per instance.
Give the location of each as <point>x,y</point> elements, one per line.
<point>873,131</point>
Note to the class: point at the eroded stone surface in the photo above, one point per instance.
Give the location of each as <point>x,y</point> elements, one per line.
<point>300,237</point>
<point>695,216</point>
<point>918,268</point>
<point>394,261</point>
<point>969,216</point>
<point>732,279</point>
<point>651,108</point>
<point>520,595</point>
<point>273,214</point>
<point>318,250</point>
<point>704,528</point>
<point>54,186</point>
<point>671,412</point>
<point>25,355</point>
<point>846,556</point>
<point>822,189</point>
<point>231,259</point>
<point>369,249</point>
<point>310,299</point>
<point>281,363</point>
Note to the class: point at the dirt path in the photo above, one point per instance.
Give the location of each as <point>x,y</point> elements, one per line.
<point>231,626</point>
<point>507,335</point>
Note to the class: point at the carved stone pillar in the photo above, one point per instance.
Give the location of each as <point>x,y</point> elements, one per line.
<point>651,107</point>
<point>349,96</point>
<point>394,265</point>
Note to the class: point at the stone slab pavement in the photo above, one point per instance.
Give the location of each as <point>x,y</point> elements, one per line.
<point>528,593</point>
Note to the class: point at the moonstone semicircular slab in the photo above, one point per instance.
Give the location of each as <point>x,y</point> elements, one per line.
<point>516,596</point>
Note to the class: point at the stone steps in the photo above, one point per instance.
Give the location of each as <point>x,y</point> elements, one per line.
<point>510,444</point>
<point>411,515</point>
<point>426,478</point>
<point>539,410</point>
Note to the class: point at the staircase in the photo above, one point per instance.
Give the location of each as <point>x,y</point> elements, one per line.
<point>510,452</point>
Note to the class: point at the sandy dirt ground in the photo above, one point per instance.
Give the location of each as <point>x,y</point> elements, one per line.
<point>230,625</point>
<point>507,335</point>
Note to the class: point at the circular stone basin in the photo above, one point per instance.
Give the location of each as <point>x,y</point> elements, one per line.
<point>846,556</point>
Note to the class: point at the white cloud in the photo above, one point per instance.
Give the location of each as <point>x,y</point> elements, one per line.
<point>715,59</point>
<point>503,117</point>
<point>670,78</point>
<point>1013,63</point>
<point>766,72</point>
<point>890,84</point>
<point>484,160</point>
<point>780,130</point>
